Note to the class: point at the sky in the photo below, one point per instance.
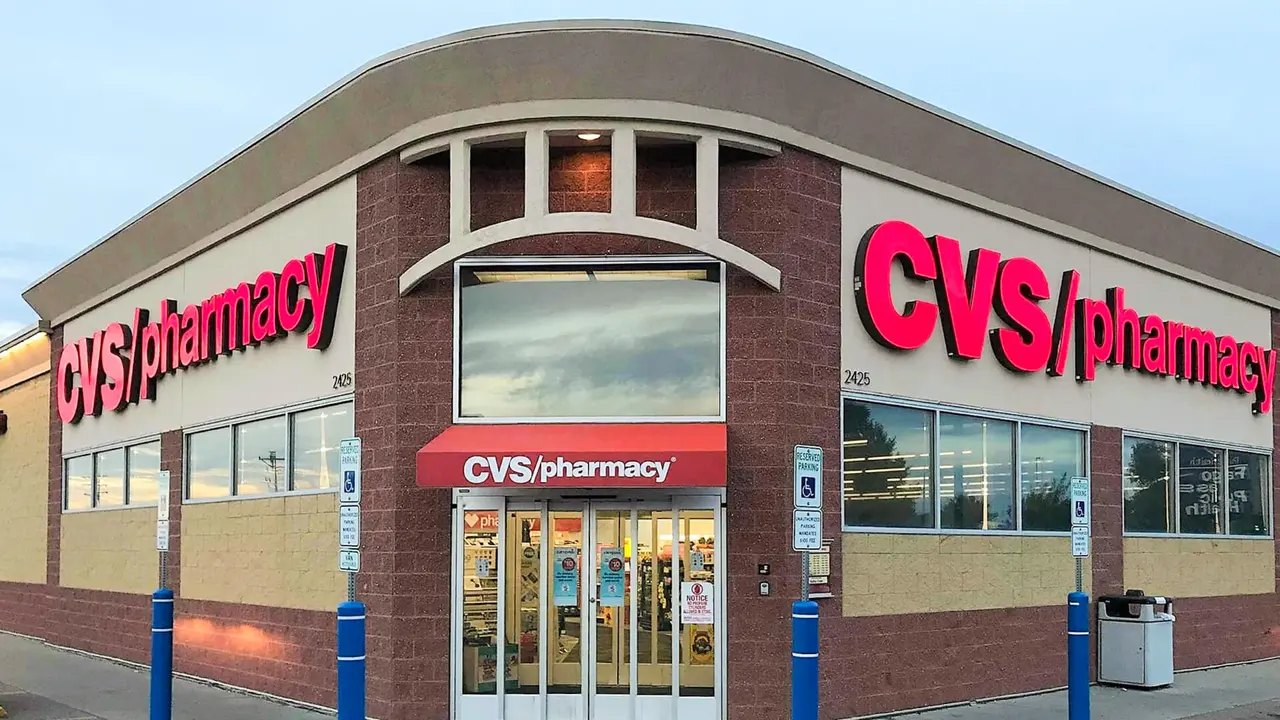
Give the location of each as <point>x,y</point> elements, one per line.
<point>105,107</point>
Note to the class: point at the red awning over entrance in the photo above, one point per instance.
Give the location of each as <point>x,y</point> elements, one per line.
<point>576,456</point>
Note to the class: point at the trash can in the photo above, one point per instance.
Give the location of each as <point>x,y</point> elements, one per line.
<point>1135,640</point>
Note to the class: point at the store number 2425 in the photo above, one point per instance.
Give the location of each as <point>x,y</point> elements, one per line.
<point>857,378</point>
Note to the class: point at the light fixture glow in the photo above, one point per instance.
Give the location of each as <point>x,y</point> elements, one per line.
<point>589,136</point>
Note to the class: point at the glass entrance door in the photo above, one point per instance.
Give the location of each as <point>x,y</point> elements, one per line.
<point>609,610</point>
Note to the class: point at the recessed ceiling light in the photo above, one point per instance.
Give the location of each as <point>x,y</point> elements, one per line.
<point>589,136</point>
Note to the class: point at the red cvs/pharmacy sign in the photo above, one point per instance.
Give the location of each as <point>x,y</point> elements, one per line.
<point>120,365</point>
<point>1035,337</point>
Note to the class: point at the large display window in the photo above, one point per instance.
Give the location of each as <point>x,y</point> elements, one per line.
<point>916,468</point>
<point>123,476</point>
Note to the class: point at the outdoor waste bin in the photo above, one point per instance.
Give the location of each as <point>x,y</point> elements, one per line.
<point>1135,640</point>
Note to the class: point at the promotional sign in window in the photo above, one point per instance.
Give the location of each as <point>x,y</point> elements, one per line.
<point>696,604</point>
<point>565,575</point>
<point>613,577</point>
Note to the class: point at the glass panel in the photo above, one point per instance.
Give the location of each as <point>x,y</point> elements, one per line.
<point>260,457</point>
<point>654,601</point>
<point>479,602</point>
<point>1148,499</point>
<point>208,470</point>
<point>144,465</point>
<point>1050,458</point>
<point>78,494</point>
<point>108,486</point>
<point>1249,475</point>
<point>633,341</point>
<point>524,597</point>
<point>697,634</point>
<point>613,613</point>
<point>316,434</point>
<point>975,464</point>
<point>565,571</point>
<point>1200,489</point>
<point>888,466</point>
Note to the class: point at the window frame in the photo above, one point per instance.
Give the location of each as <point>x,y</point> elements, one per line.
<point>586,262</point>
<point>1226,449</point>
<point>231,425</point>
<point>92,454</point>
<point>936,409</point>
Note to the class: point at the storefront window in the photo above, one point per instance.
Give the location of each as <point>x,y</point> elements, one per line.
<point>1050,458</point>
<point>316,434</point>
<point>208,464</point>
<point>1200,489</point>
<point>144,466</point>
<point>888,466</point>
<point>108,485</point>
<point>261,462</point>
<point>1249,478</point>
<point>975,470</point>
<point>1148,497</point>
<point>638,341</point>
<point>78,492</point>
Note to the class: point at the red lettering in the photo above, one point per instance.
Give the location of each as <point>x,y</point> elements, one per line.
<point>1228,363</point>
<point>70,401</point>
<point>1199,347</point>
<point>189,352</point>
<point>1094,337</point>
<point>1127,350</point>
<point>1263,392</point>
<point>133,381</point>
<point>151,361</point>
<point>237,302</point>
<point>881,247</point>
<point>294,312</point>
<point>1026,344</point>
<point>265,326</point>
<point>115,338</point>
<point>1248,364</point>
<point>1155,359</point>
<point>1173,338</point>
<point>964,296</point>
<point>324,279</point>
<point>1062,323</point>
<point>170,335</point>
<point>212,338</point>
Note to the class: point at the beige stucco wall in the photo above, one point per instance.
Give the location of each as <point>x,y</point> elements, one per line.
<point>1181,567</point>
<point>110,550</point>
<point>1117,397</point>
<point>887,574</point>
<point>274,374</point>
<point>281,552</point>
<point>24,481</point>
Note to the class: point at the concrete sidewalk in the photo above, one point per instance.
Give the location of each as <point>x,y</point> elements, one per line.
<point>1243,692</point>
<point>38,682</point>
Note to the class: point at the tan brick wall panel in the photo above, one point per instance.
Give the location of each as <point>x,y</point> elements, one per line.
<point>1182,567</point>
<point>280,552</point>
<point>24,477</point>
<point>110,550</point>
<point>888,574</point>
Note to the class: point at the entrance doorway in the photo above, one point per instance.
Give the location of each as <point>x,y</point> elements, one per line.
<point>607,609</point>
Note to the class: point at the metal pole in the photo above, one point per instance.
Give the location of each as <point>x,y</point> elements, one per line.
<point>351,658</point>
<point>804,657</point>
<point>804,575</point>
<point>1080,576</point>
<point>162,652</point>
<point>1078,656</point>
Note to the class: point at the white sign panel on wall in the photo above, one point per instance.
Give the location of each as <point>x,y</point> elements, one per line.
<point>349,457</point>
<point>1080,511</point>
<point>808,477</point>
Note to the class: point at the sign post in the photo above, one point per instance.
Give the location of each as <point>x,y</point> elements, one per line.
<point>1078,604</point>
<point>351,623</point>
<point>806,536</point>
<point>162,613</point>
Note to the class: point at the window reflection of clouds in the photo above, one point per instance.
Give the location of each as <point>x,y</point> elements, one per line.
<point>208,472</point>
<point>260,457</point>
<point>144,465</point>
<point>586,348</point>
<point>316,434</point>
<point>109,485</point>
<point>79,488</point>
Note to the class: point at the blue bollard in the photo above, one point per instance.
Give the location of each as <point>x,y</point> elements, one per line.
<point>162,654</point>
<point>804,660</point>
<point>351,686</point>
<point>1077,656</point>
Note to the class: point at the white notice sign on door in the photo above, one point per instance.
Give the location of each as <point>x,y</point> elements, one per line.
<point>697,603</point>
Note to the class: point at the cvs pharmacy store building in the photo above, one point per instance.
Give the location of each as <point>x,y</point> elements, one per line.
<point>579,289</point>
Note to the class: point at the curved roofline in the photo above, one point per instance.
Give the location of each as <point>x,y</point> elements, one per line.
<point>670,28</point>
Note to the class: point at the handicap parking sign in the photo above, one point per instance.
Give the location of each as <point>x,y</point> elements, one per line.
<point>349,481</point>
<point>808,487</point>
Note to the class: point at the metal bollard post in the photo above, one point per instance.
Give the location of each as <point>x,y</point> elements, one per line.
<point>804,660</point>
<point>351,685</point>
<point>1078,656</point>
<point>162,654</point>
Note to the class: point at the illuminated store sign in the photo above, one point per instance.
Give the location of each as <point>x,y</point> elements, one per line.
<point>1107,331</point>
<point>119,365</point>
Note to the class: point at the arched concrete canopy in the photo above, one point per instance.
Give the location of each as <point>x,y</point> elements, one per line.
<point>355,122</point>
